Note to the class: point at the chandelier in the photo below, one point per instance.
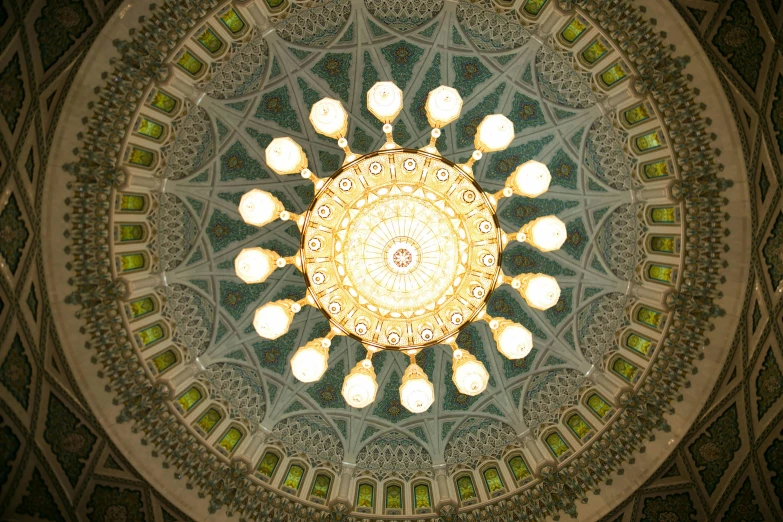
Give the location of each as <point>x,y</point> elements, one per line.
<point>400,248</point>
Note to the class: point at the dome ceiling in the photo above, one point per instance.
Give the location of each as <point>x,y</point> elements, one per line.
<point>154,230</point>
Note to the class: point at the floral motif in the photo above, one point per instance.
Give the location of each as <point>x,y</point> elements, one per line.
<point>773,252</point>
<point>12,93</point>
<point>670,508</point>
<point>110,504</point>
<point>61,23</point>
<point>713,450</point>
<point>769,384</point>
<point>13,234</point>
<point>739,41</point>
<point>16,372</point>
<point>70,439</point>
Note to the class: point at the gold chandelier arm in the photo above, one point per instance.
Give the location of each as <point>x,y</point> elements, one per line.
<point>467,167</point>
<point>388,130</point>
<point>349,154</point>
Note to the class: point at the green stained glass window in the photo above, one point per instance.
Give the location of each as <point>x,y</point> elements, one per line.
<point>131,233</point>
<point>164,361</point>
<point>293,478</point>
<point>132,203</point>
<point>209,420</point>
<point>649,317</point>
<point>163,101</point>
<point>594,52</point>
<point>656,169</point>
<point>365,496</point>
<point>637,114</point>
<point>142,307</point>
<point>493,480</point>
<point>230,440</point>
<point>393,497</point>
<point>663,215</point>
<point>624,369</point>
<point>650,141</point>
<point>268,464</point>
<point>190,63</point>
<point>141,157</point>
<point>638,343</point>
<point>578,425</point>
<point>518,468</point>
<point>321,486</point>
<point>556,444</point>
<point>533,7</point>
<point>131,262</point>
<point>232,21</point>
<point>421,496</point>
<point>189,399</point>
<point>664,244</point>
<point>599,406</point>
<point>660,273</point>
<point>465,488</point>
<point>613,74</point>
<point>151,334</point>
<point>574,30</point>
<point>150,128</point>
<point>210,41</point>
<point>274,4</point>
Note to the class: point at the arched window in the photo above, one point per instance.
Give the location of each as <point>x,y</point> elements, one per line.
<point>650,317</point>
<point>574,30</point>
<point>636,114</point>
<point>233,21</point>
<point>579,427</point>
<point>664,215</point>
<point>139,157</point>
<point>625,369</point>
<point>163,101</point>
<point>599,406</point>
<point>190,64</point>
<point>649,141</point>
<point>493,481</point>
<point>150,335</point>
<point>131,262</point>
<point>665,274</point>
<point>208,421</point>
<point>190,398</point>
<point>519,468</point>
<point>210,41</point>
<point>365,497</point>
<point>466,490</point>
<point>266,468</point>
<point>320,489</point>
<point>129,232</point>
<point>149,128</point>
<point>131,203</point>
<point>638,343</point>
<point>595,51</point>
<point>421,498</point>
<point>230,440</point>
<point>656,170</point>
<point>614,74</point>
<point>164,361</point>
<point>393,498</point>
<point>293,479</point>
<point>665,244</point>
<point>557,445</point>
<point>534,7</point>
<point>141,307</point>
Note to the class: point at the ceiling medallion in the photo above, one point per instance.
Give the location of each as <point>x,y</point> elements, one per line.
<point>400,248</point>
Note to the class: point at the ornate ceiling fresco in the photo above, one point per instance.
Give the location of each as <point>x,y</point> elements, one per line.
<point>176,134</point>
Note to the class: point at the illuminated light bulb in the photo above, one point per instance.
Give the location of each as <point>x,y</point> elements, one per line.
<point>546,233</point>
<point>468,373</point>
<point>416,392</point>
<point>329,118</point>
<point>360,386</point>
<point>541,291</point>
<point>259,208</point>
<point>531,179</point>
<point>310,362</point>
<point>273,319</point>
<point>253,265</point>
<point>514,340</point>
<point>494,133</point>
<point>285,156</point>
<point>443,106</point>
<point>384,100</point>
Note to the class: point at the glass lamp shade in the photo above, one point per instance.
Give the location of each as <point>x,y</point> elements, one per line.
<point>360,386</point>
<point>546,233</point>
<point>494,133</point>
<point>259,208</point>
<point>541,291</point>
<point>468,373</point>
<point>253,265</point>
<point>416,392</point>
<point>443,106</point>
<point>514,340</point>
<point>273,319</point>
<point>310,362</point>
<point>285,156</point>
<point>329,118</point>
<point>384,100</point>
<point>531,179</point>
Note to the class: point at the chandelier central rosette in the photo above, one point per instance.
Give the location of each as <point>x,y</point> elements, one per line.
<point>401,248</point>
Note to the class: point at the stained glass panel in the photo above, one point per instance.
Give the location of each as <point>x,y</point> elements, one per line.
<point>650,141</point>
<point>142,307</point>
<point>664,244</point>
<point>321,486</point>
<point>132,203</point>
<point>637,114</point>
<point>131,262</point>
<point>274,4</point>
<point>163,101</point>
<point>613,74</point>
<point>638,343</point>
<point>556,444</point>
<point>268,464</point>
<point>164,361</point>
<point>209,420</point>
<point>656,169</point>
<point>151,334</point>
<point>598,405</point>
<point>141,157</point>
<point>131,233</point>
<point>578,425</point>
<point>393,497</point>
<point>594,52</point>
<point>624,369</point>
<point>230,439</point>
<point>519,468</point>
<point>294,477</point>
<point>190,63</point>
<point>574,30</point>
<point>365,495</point>
<point>465,488</point>
<point>663,215</point>
<point>232,21</point>
<point>189,399</point>
<point>649,317</point>
<point>533,7</point>
<point>660,273</point>
<point>210,41</point>
<point>493,480</point>
<point>150,128</point>
<point>421,497</point>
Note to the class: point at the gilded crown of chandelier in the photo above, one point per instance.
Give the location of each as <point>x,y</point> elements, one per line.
<point>400,248</point>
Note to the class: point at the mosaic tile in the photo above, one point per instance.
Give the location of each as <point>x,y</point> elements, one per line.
<point>402,58</point>
<point>236,297</point>
<point>116,503</point>
<point>563,169</point>
<point>503,163</point>
<point>275,106</point>
<point>769,384</point>
<point>469,73</point>
<point>503,304</point>
<point>223,230</point>
<point>38,502</point>
<point>432,79</point>
<point>327,391</point>
<point>69,439</point>
<point>739,41</point>
<point>13,92</point>
<point>334,69</point>
<point>563,309</point>
<point>60,24</point>
<point>236,163</point>
<point>526,113</point>
<point>470,120</point>
<point>713,451</point>
<point>519,258</point>
<point>13,234</point>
